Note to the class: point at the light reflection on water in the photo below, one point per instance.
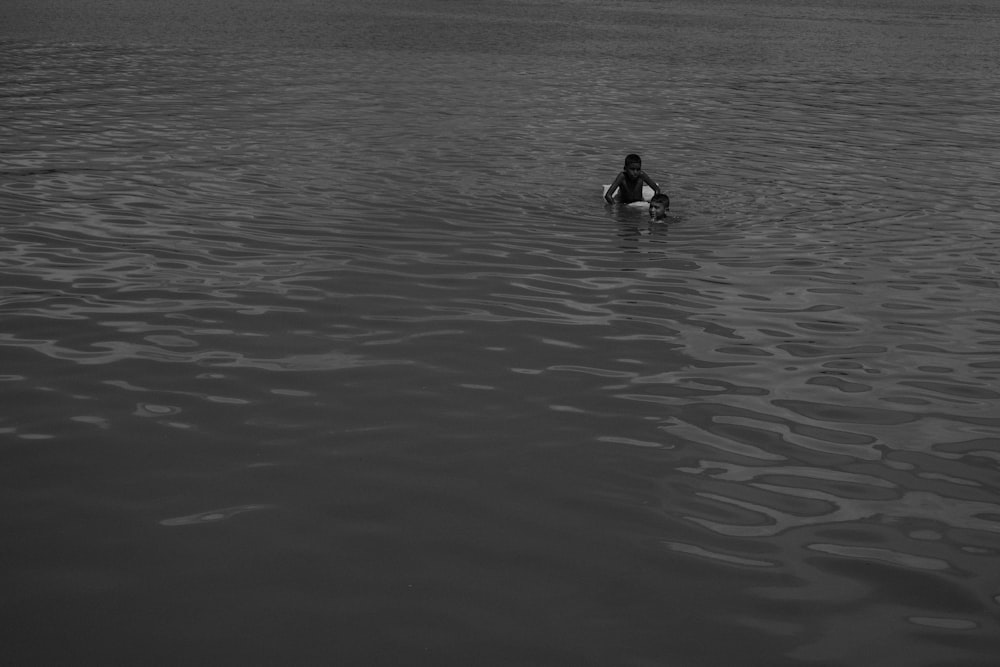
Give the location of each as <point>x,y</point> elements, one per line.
<point>376,293</point>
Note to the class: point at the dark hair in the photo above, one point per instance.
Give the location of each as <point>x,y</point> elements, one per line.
<point>658,198</point>
<point>632,157</point>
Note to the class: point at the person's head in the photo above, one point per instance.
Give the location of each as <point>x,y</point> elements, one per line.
<point>659,204</point>
<point>633,164</point>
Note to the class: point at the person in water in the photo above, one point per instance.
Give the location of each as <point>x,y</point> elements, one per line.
<point>659,204</point>
<point>629,182</point>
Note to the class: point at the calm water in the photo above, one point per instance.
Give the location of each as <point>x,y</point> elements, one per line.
<point>320,347</point>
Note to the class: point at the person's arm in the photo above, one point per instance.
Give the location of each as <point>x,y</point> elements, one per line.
<point>650,182</point>
<point>610,194</point>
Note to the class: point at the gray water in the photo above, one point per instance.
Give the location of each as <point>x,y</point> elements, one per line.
<point>320,346</point>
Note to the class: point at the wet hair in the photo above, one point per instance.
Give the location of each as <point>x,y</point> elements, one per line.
<point>660,198</point>
<point>632,158</point>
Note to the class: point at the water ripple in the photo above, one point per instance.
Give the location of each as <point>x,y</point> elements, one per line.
<point>358,263</point>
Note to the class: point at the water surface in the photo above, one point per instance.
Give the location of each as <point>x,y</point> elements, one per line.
<point>319,344</point>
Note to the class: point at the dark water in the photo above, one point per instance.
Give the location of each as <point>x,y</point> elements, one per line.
<point>320,347</point>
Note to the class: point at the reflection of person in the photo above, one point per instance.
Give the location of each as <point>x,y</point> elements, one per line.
<point>659,204</point>
<point>629,182</point>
